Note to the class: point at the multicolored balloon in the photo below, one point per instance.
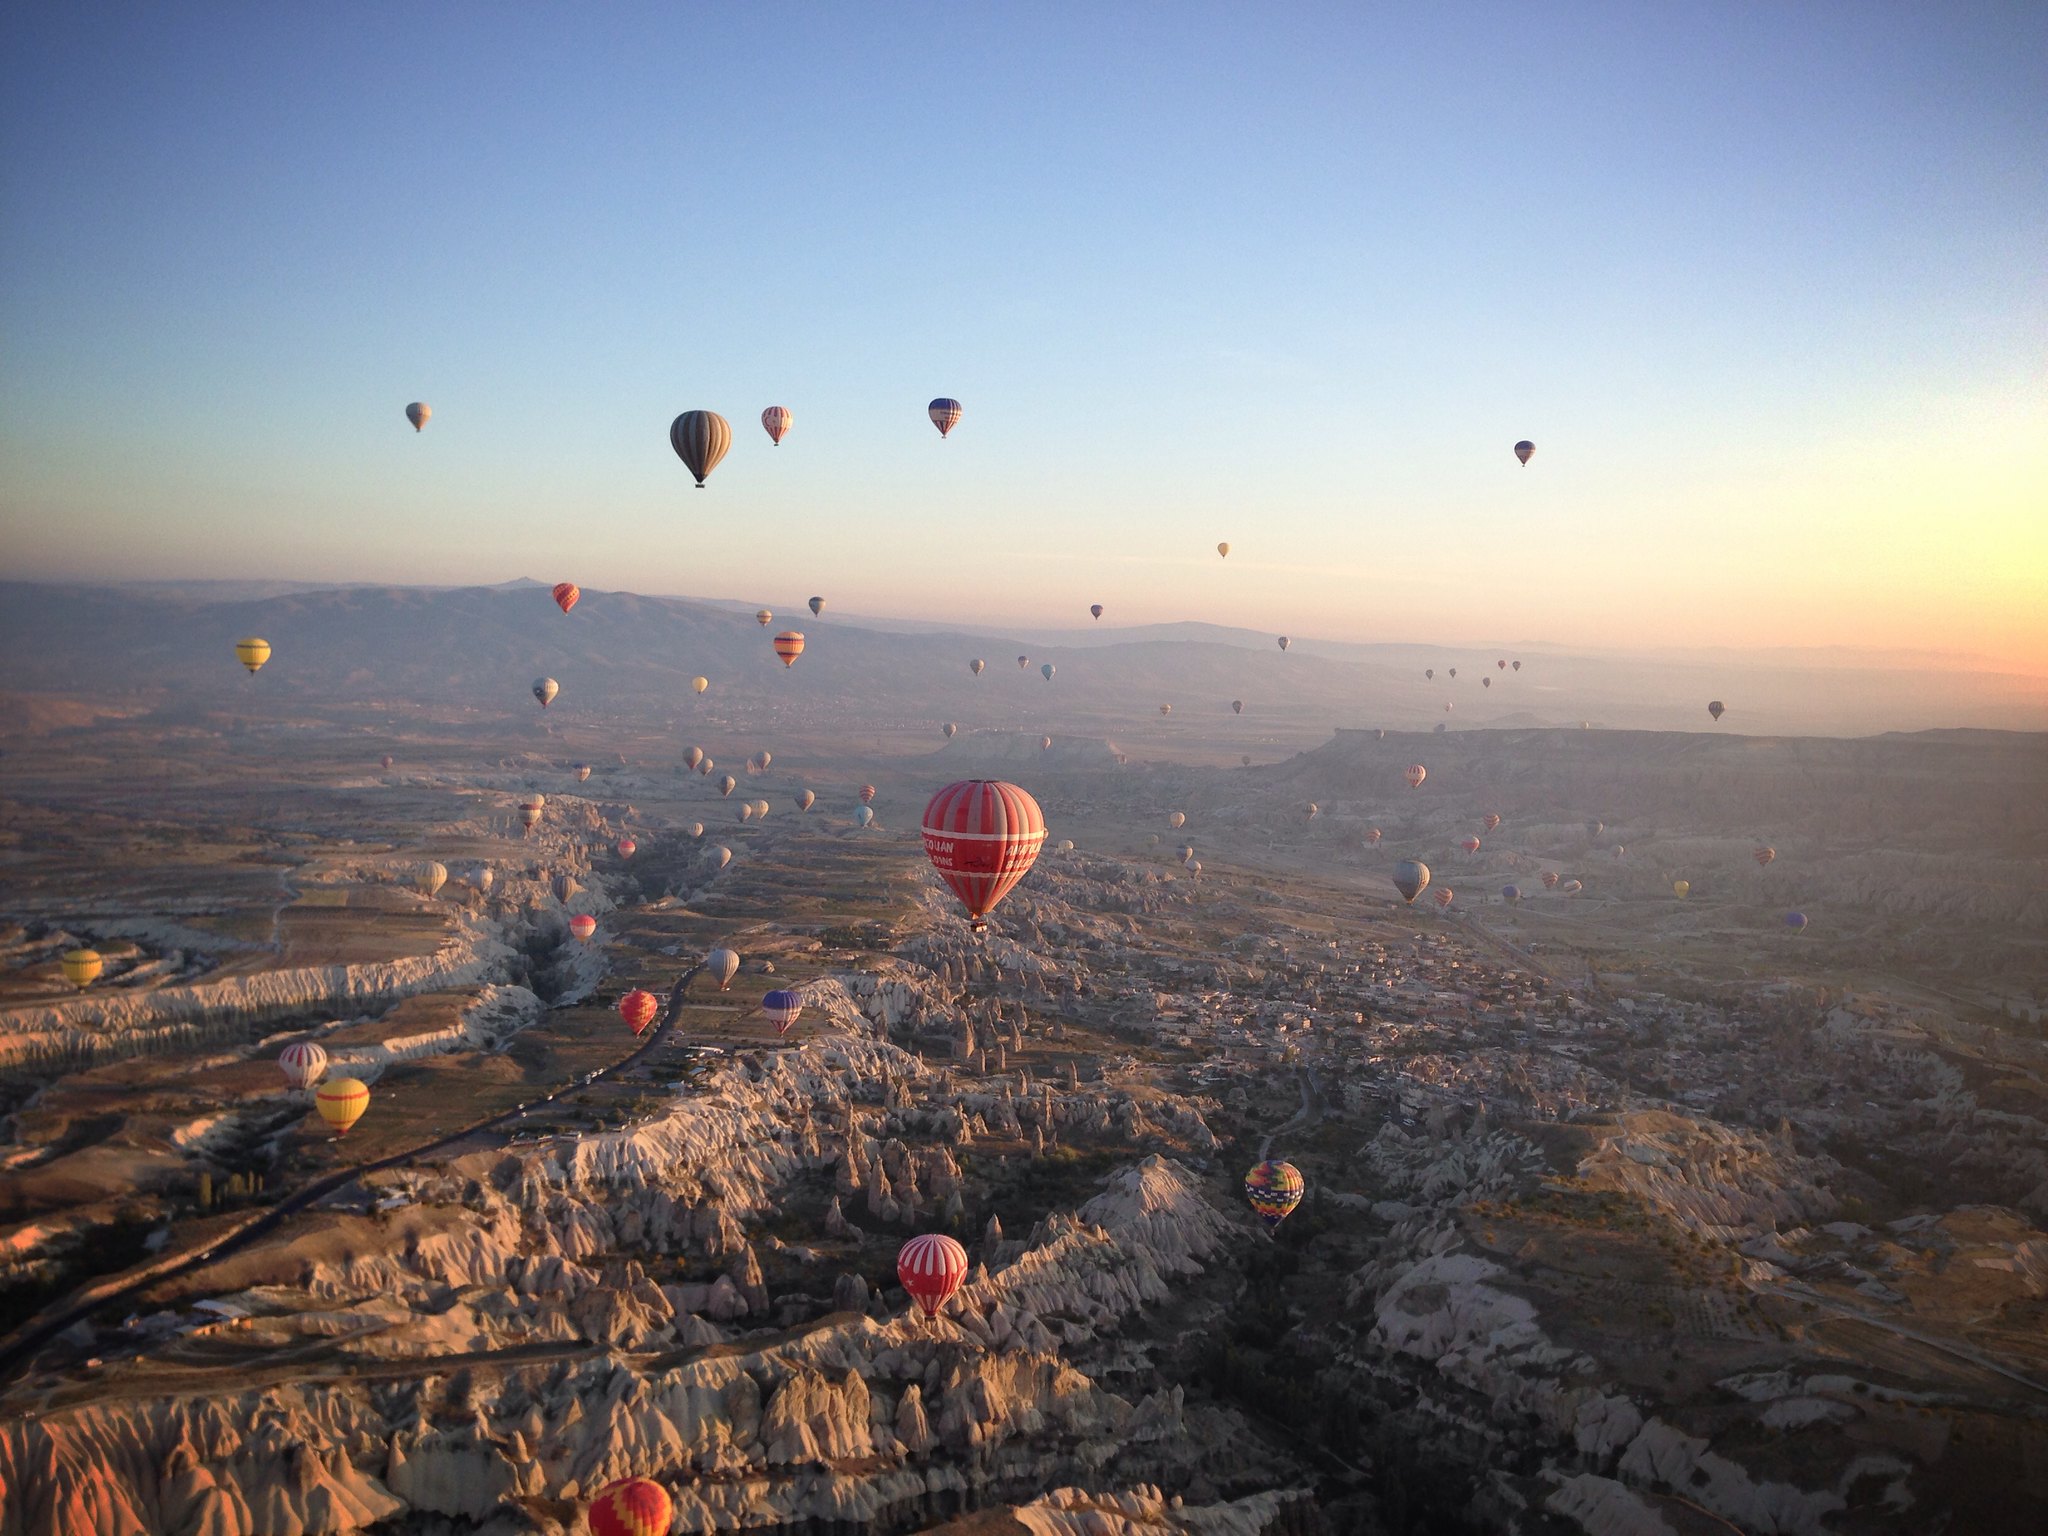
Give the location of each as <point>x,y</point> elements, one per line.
<point>776,420</point>
<point>764,617</point>
<point>632,1507</point>
<point>545,689</point>
<point>931,1267</point>
<point>419,413</point>
<point>789,645</point>
<point>982,835</point>
<point>1550,879</point>
<point>1415,775</point>
<point>627,847</point>
<point>867,794</point>
<point>1274,1189</point>
<point>1443,896</point>
<point>1763,856</point>
<point>582,926</point>
<point>945,415</point>
<point>566,594</point>
<point>782,1007</point>
<point>638,1008</point>
<point>1491,821</point>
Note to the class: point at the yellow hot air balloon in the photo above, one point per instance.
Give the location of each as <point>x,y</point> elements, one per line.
<point>699,684</point>
<point>341,1102</point>
<point>82,967</point>
<point>252,653</point>
<point>1680,887</point>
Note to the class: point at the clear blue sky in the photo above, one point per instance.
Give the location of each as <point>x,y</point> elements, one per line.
<point>1767,284</point>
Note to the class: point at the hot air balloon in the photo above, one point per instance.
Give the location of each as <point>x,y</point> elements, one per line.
<point>705,766</point>
<point>1429,673</point>
<point>1469,844</point>
<point>1411,878</point>
<point>341,1102</point>
<point>429,877</point>
<point>1177,819</point>
<point>1486,682</point>
<point>789,645</point>
<point>1795,920</point>
<point>1525,450</point>
<point>252,652</point>
<point>1511,894</point>
<point>564,886</point>
<point>1572,887</point>
<point>761,808</point>
<point>931,1267</point>
<point>1717,709</point>
<point>1048,669</point>
<point>1595,828</point>
<point>583,773</point>
<point>747,810</point>
<point>582,926</point>
<point>726,784</point>
<point>1415,775</point>
<point>1023,662</point>
<point>1274,1189</point>
<point>1223,550</point>
<point>949,730</point>
<point>627,847</point>
<point>867,794</point>
<point>1194,867</point>
<point>1284,642</point>
<point>1187,851</point>
<point>1314,810</point>
<point>760,761</point>
<point>1516,665</point>
<point>529,812</point>
<point>1095,609</point>
<point>693,757</point>
<point>1443,896</point>
<point>699,684</point>
<point>863,817</point>
<point>1550,879</point>
<point>1045,743</point>
<point>982,835</point>
<point>976,665</point>
<point>82,967</point>
<point>1491,820</point>
<point>722,965</point>
<point>945,415</point>
<point>1679,888</point>
<point>419,413</point>
<point>695,829</point>
<point>1501,665</point>
<point>782,1008</point>
<point>385,761</point>
<point>638,1008</point>
<point>483,879</point>
<point>1763,856</point>
<point>1454,671</point>
<point>806,800</point>
<point>545,689</point>
<point>721,856</point>
<point>566,593</point>
<point>700,439</point>
<point>1246,760</point>
<point>1372,836</point>
<point>1237,706</point>
<point>764,617</point>
<point>1066,845</point>
<point>632,1507</point>
<point>817,606</point>
<point>1166,709</point>
<point>303,1063</point>
<point>776,420</point>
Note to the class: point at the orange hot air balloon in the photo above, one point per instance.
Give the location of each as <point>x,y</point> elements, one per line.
<point>1550,879</point>
<point>776,420</point>
<point>1469,844</point>
<point>1764,856</point>
<point>582,925</point>
<point>627,847</point>
<point>1492,821</point>
<point>931,1267</point>
<point>982,835</point>
<point>867,794</point>
<point>789,645</point>
<point>765,617</point>
<point>341,1102</point>
<point>1373,836</point>
<point>1415,775</point>
<point>638,1008</point>
<point>633,1507</point>
<point>566,593</point>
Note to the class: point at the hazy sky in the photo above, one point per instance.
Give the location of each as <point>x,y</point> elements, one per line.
<point>1767,284</point>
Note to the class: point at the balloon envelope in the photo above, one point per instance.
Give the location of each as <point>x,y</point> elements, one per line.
<point>764,617</point>
<point>945,415</point>
<point>1717,709</point>
<point>817,606</point>
<point>1048,669</point>
<point>1764,856</point>
<point>252,652</point>
<point>303,1064</point>
<point>699,684</point>
<point>1795,920</point>
<point>582,926</point>
<point>638,1008</point>
<point>1237,706</point>
<point>782,1008</point>
<point>1274,1189</point>
<point>931,1267</point>
<point>82,967</point>
<point>863,816</point>
<point>976,665</point>
<point>789,645</point>
<point>1679,888</point>
<point>566,593</point>
<point>700,439</point>
<point>1223,550</point>
<point>867,794</point>
<point>721,856</point>
<point>1095,609</point>
<point>723,964</point>
<point>341,1102</point>
<point>545,689</point>
<point>1415,775</point>
<point>1525,450</point>
<point>806,800</point>
<point>419,413</point>
<point>776,420</point>
<point>633,1507</point>
<point>982,835</point>
<point>1411,878</point>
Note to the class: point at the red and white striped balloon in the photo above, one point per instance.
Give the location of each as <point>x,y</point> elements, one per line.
<point>982,835</point>
<point>777,419</point>
<point>931,1267</point>
<point>304,1064</point>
